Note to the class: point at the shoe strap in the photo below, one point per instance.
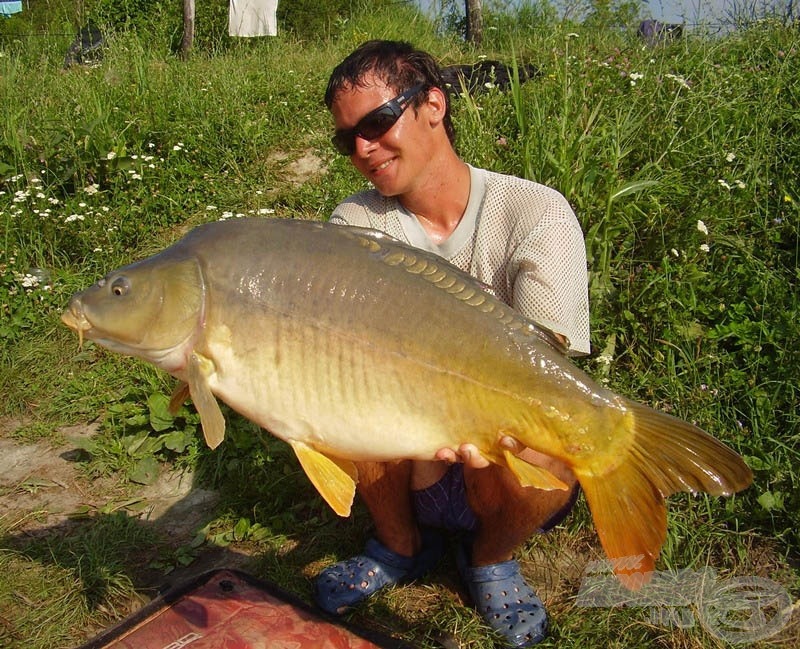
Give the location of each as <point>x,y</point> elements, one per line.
<point>492,572</point>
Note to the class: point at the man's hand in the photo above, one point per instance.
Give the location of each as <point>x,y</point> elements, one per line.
<point>472,457</point>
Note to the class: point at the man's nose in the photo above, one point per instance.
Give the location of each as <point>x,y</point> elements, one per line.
<point>364,146</point>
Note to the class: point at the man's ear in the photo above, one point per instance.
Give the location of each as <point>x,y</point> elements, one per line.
<point>437,105</point>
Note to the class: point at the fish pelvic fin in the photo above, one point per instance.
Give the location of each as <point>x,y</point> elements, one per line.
<point>530,475</point>
<point>211,418</point>
<point>179,396</point>
<point>335,479</point>
<point>628,505</point>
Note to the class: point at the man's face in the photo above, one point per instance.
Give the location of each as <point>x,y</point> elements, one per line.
<point>392,161</point>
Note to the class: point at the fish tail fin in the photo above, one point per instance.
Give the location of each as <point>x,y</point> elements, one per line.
<point>666,455</point>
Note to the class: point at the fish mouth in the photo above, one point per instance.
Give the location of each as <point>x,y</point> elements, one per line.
<point>75,319</point>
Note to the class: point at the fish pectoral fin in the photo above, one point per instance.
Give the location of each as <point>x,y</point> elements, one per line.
<point>178,397</point>
<point>531,475</point>
<point>334,478</point>
<point>200,369</point>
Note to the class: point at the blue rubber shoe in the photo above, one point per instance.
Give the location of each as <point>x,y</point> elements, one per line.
<point>344,584</point>
<point>505,601</point>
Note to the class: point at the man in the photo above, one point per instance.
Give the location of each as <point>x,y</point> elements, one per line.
<point>523,241</point>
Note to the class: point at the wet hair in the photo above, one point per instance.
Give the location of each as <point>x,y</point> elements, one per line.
<point>399,65</point>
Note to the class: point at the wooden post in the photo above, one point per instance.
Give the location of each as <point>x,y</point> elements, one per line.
<point>474,22</point>
<point>188,28</point>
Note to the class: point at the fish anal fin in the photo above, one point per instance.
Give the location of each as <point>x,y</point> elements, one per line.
<point>630,517</point>
<point>531,475</point>
<point>178,397</point>
<point>334,478</point>
<point>211,418</point>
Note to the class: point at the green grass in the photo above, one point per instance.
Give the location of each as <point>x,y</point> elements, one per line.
<point>681,163</point>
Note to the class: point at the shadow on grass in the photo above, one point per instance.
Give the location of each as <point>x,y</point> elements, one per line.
<point>265,519</point>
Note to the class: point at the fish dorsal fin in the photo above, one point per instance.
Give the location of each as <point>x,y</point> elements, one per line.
<point>200,369</point>
<point>335,479</point>
<point>178,398</point>
<point>530,475</point>
<point>450,279</point>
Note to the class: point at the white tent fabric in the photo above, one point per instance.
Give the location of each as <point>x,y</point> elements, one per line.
<point>253,18</point>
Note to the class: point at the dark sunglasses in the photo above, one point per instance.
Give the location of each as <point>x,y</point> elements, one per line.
<point>375,123</point>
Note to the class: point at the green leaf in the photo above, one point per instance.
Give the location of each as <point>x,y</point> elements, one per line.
<point>632,188</point>
<point>771,500</point>
<point>145,471</point>
<point>160,417</point>
<point>241,529</point>
<point>177,440</point>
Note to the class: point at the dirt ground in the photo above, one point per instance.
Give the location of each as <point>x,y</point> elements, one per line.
<point>42,488</point>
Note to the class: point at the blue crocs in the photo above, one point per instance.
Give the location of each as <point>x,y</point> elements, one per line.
<point>506,602</point>
<point>344,584</point>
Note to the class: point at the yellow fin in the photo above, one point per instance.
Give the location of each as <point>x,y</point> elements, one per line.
<point>627,502</point>
<point>335,479</point>
<point>530,475</point>
<point>179,396</point>
<point>200,368</point>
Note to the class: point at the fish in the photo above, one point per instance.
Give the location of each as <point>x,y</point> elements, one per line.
<point>352,346</point>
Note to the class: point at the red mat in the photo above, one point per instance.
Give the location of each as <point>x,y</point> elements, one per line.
<point>228,609</point>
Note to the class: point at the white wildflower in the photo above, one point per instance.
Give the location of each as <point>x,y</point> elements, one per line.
<point>683,83</point>
<point>740,184</point>
<point>29,281</point>
<point>675,253</point>
<point>210,208</point>
<point>111,155</point>
<point>605,359</point>
<point>724,183</point>
<point>91,189</point>
<point>266,210</point>
<point>704,247</point>
<point>702,227</point>
<point>730,157</point>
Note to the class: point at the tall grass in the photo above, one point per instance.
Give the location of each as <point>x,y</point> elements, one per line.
<point>681,162</point>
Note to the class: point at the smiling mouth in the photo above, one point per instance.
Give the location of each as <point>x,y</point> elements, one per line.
<point>382,166</point>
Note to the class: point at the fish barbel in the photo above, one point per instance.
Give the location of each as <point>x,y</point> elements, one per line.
<point>351,346</point>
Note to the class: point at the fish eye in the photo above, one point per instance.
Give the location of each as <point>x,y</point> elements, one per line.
<point>120,286</point>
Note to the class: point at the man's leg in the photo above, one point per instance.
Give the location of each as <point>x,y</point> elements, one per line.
<point>508,514</point>
<point>399,551</point>
<point>385,489</point>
